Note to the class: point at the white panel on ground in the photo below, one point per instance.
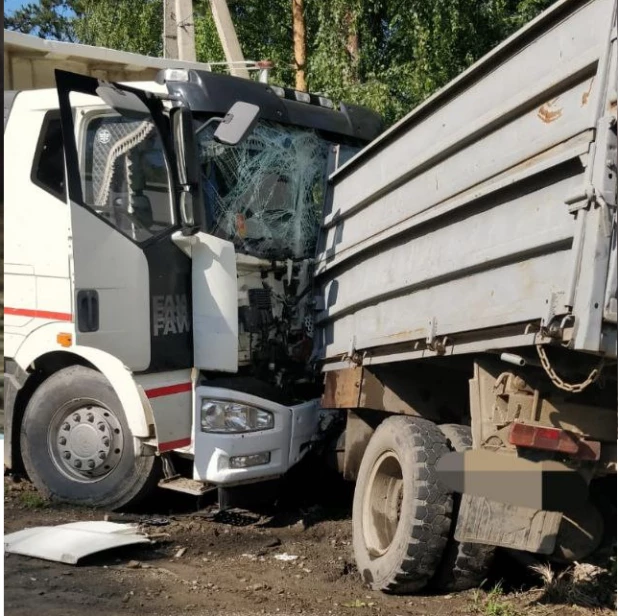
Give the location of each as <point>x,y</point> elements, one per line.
<point>69,543</point>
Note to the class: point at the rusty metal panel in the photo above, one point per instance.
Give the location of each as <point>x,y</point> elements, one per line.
<point>380,397</point>
<point>357,435</point>
<point>342,388</point>
<point>481,209</point>
<point>359,388</point>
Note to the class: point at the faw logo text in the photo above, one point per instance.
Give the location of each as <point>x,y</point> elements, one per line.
<point>170,315</point>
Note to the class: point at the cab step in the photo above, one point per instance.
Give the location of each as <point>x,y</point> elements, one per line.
<point>188,486</point>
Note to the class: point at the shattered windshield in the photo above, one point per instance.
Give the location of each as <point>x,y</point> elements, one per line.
<point>266,194</point>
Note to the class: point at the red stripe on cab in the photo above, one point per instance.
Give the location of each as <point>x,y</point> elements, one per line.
<point>183,442</point>
<point>168,390</point>
<point>38,314</point>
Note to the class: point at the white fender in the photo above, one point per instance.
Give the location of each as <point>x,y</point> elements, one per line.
<point>136,407</point>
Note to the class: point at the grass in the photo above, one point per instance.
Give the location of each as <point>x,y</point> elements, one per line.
<point>581,584</point>
<point>32,500</point>
<point>492,603</point>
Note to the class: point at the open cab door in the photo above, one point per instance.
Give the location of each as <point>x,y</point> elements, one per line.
<point>120,186</point>
<point>152,287</point>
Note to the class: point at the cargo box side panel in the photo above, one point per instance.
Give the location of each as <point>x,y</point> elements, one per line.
<point>494,264</point>
<point>461,223</point>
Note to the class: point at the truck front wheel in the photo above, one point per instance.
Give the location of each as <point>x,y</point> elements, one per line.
<point>77,446</point>
<point>401,513</point>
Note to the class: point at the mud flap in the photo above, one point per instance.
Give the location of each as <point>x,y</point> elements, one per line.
<point>520,528</point>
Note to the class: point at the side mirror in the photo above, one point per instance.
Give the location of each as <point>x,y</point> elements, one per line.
<point>187,163</point>
<point>125,103</point>
<point>237,124</point>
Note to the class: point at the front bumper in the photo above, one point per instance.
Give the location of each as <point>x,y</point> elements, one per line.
<point>295,428</point>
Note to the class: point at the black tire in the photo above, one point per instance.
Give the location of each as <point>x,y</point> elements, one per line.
<point>401,513</point>
<point>76,390</point>
<point>464,565</point>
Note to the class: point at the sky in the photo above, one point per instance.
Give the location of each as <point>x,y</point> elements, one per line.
<point>11,5</point>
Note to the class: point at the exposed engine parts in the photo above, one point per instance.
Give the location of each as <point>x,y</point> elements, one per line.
<point>275,322</point>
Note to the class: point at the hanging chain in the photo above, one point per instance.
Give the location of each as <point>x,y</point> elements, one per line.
<point>573,388</point>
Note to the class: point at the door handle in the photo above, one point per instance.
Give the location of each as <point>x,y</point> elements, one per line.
<point>87,310</point>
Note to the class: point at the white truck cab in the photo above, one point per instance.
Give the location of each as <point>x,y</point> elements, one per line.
<point>158,298</point>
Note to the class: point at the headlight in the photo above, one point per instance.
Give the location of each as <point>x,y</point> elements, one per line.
<point>218,416</point>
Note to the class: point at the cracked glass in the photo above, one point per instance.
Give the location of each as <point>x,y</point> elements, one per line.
<point>266,194</point>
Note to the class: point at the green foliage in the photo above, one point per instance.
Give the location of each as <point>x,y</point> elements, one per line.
<point>386,54</point>
<point>264,29</point>
<point>408,49</point>
<point>32,500</point>
<point>128,25</point>
<point>492,603</point>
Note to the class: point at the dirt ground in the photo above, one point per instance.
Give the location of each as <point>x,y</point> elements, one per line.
<point>202,563</point>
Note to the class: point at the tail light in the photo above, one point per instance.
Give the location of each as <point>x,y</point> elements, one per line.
<point>553,439</point>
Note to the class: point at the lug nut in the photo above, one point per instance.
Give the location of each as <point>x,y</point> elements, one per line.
<point>66,455</point>
<point>77,417</point>
<point>101,455</point>
<point>90,417</point>
<point>78,464</point>
<point>90,463</point>
<point>62,440</point>
<point>101,427</point>
<point>66,427</point>
<point>105,441</point>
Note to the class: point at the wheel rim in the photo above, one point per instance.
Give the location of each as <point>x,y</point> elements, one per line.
<point>85,441</point>
<point>382,504</point>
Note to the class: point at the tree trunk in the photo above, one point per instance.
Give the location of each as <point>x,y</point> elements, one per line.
<point>352,43</point>
<point>300,43</point>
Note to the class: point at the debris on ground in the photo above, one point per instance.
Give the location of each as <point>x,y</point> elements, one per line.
<point>123,518</point>
<point>134,564</point>
<point>286,557</point>
<point>225,572</point>
<point>68,543</point>
<point>274,543</point>
<point>582,584</point>
<point>358,603</point>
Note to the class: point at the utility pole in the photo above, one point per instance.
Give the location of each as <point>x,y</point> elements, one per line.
<point>178,30</point>
<point>170,37</point>
<point>185,28</point>
<point>179,33</point>
<point>229,40</point>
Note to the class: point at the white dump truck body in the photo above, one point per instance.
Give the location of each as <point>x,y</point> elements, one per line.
<point>30,62</point>
<point>485,218</point>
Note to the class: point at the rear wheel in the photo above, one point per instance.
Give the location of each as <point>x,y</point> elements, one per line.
<point>401,513</point>
<point>77,446</point>
<point>464,565</point>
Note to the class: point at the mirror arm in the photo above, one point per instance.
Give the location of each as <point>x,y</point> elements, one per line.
<point>207,123</point>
